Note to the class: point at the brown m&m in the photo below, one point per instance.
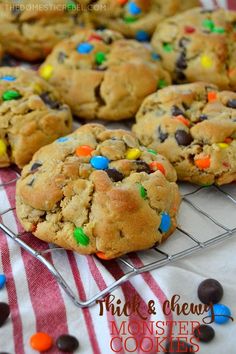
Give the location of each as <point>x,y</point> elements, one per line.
<point>210,291</point>
<point>67,343</point>
<point>204,333</point>
<point>4,312</point>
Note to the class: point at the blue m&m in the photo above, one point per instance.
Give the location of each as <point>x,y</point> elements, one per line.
<point>142,36</point>
<point>62,139</point>
<point>8,78</point>
<point>84,48</point>
<point>133,8</point>
<point>2,280</point>
<point>222,313</point>
<point>99,162</point>
<point>165,222</point>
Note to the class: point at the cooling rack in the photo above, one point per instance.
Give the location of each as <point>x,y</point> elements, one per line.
<point>201,224</point>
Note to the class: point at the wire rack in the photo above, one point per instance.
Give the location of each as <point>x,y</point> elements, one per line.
<point>201,224</point>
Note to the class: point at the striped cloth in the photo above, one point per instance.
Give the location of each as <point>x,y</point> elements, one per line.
<point>37,302</point>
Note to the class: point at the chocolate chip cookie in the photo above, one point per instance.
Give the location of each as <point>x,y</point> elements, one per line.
<point>194,126</point>
<point>29,29</point>
<point>102,75</point>
<point>199,45</point>
<point>105,193</point>
<point>135,18</point>
<point>32,114</point>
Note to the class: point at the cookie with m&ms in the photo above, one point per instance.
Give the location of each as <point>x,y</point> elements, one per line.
<point>101,75</point>
<point>134,18</point>
<point>199,45</point>
<point>194,126</point>
<point>29,29</point>
<point>32,114</point>
<point>105,193</point>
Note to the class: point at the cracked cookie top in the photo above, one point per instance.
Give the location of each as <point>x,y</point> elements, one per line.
<point>104,194</point>
<point>199,45</point>
<point>29,29</point>
<point>135,18</point>
<point>32,114</point>
<point>194,126</point>
<point>102,75</point>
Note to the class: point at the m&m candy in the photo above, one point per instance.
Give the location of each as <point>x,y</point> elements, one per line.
<point>11,95</point>
<point>41,342</point>
<point>99,162</point>
<point>221,313</point>
<point>84,151</point>
<point>133,154</point>
<point>80,236</point>
<point>46,71</point>
<point>84,48</point>
<point>165,222</point>
<point>2,280</point>
<point>133,8</point>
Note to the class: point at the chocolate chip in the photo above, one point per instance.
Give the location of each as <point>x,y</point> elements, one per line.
<point>204,333</point>
<point>231,103</point>
<point>108,40</point>
<point>180,75</point>
<point>161,135</point>
<point>210,291</point>
<point>48,101</point>
<point>4,312</point>
<point>185,105</point>
<point>203,117</point>
<point>61,57</point>
<point>67,343</point>
<point>183,138</point>
<point>176,111</point>
<point>114,174</point>
<point>35,166</point>
<point>181,62</point>
<point>179,346</point>
<point>142,166</point>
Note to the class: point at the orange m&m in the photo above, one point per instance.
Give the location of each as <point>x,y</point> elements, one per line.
<point>41,342</point>
<point>211,96</point>
<point>183,120</point>
<point>203,163</point>
<point>102,255</point>
<point>156,166</point>
<point>84,151</point>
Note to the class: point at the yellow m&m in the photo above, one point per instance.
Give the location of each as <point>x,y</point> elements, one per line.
<point>46,71</point>
<point>133,154</point>
<point>3,147</point>
<point>206,61</point>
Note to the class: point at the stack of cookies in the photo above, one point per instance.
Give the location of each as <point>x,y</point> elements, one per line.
<point>168,63</point>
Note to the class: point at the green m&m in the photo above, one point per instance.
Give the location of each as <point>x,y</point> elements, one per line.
<point>11,95</point>
<point>80,236</point>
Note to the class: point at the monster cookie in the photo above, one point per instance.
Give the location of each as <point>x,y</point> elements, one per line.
<point>136,18</point>
<point>101,75</point>
<point>199,45</point>
<point>105,193</point>
<point>30,29</point>
<point>31,115</point>
<point>194,126</point>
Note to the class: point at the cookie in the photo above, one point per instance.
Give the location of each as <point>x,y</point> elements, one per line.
<point>101,75</point>
<point>30,29</point>
<point>98,182</point>
<point>137,18</point>
<point>32,114</point>
<point>199,45</point>
<point>194,126</point>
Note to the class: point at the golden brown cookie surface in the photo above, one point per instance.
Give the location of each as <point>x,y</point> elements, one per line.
<point>194,126</point>
<point>29,29</point>
<point>135,18</point>
<point>102,75</point>
<point>199,45</point>
<point>105,193</point>
<point>32,114</point>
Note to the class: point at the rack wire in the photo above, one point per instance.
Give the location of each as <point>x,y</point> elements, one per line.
<point>201,225</point>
